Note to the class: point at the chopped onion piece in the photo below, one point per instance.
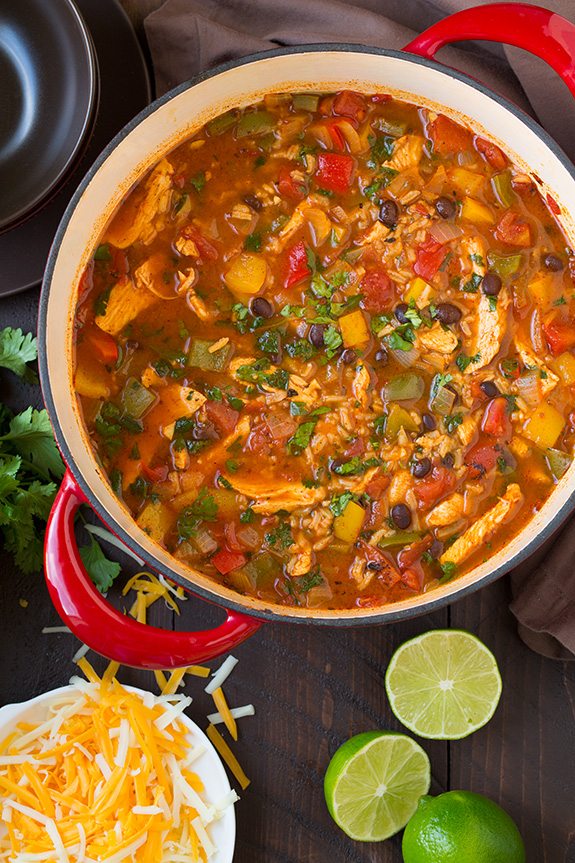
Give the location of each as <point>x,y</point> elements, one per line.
<point>444,232</point>
<point>406,358</point>
<point>204,541</point>
<point>528,388</point>
<point>442,401</point>
<point>248,537</point>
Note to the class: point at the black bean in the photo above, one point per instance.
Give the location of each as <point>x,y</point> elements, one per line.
<point>553,263</point>
<point>490,389</point>
<point>374,565</point>
<point>400,311</point>
<point>448,460</point>
<point>381,356</point>
<point>401,516</point>
<point>421,468</point>
<point>349,356</point>
<point>336,463</point>
<point>316,335</point>
<point>261,308</point>
<point>445,207</point>
<point>491,284</point>
<point>447,313</point>
<point>435,549</point>
<point>429,422</point>
<point>291,392</point>
<point>389,213</point>
<point>253,202</point>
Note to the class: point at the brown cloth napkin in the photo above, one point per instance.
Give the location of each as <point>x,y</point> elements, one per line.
<point>188,36</point>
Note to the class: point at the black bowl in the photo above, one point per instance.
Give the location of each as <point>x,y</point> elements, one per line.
<point>48,92</point>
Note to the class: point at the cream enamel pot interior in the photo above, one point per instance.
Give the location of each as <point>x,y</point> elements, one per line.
<point>153,134</point>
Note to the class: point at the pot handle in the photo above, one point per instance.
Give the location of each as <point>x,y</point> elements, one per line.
<point>538,30</point>
<point>106,630</point>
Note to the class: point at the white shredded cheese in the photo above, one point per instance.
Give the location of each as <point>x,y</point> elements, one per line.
<point>147,810</point>
<point>222,674</point>
<point>103,765</point>
<point>237,713</point>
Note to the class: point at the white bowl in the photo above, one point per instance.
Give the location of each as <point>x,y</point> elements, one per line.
<point>207,766</point>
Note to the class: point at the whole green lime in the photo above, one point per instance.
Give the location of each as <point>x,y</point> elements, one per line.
<point>461,827</point>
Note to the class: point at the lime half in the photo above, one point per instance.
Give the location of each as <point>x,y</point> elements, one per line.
<point>444,684</point>
<point>373,784</point>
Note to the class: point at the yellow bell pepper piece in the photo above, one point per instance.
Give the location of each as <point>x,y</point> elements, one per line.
<point>475,211</point>
<point>348,525</point>
<point>320,225</point>
<point>541,289</point>
<point>246,274</point>
<point>398,418</point>
<point>564,365</point>
<point>416,288</point>
<point>544,425</point>
<point>466,181</point>
<point>354,329</point>
<point>90,386</point>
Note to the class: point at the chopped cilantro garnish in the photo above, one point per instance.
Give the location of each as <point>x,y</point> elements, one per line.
<point>253,242</point>
<point>472,285</point>
<point>269,342</point>
<point>247,515</point>
<point>204,508</point>
<point>340,501</point>
<point>198,181</point>
<point>463,361</point>
<point>332,340</point>
<point>449,570</point>
<point>301,437</point>
<point>281,537</point>
<point>452,421</point>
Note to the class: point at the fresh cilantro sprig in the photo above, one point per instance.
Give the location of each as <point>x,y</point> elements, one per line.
<point>16,350</point>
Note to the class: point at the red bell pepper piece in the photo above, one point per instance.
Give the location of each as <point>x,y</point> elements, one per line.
<point>334,172</point>
<point>226,560</point>
<point>430,256</point>
<point>560,336</point>
<point>496,420</point>
<point>288,187</point>
<point>104,346</point>
<point>298,267</point>
<point>159,473</point>
<point>448,137</point>
<point>223,417</point>
<point>491,153</point>
<point>350,104</point>
<point>207,250</point>
<point>377,290</point>
<point>512,230</point>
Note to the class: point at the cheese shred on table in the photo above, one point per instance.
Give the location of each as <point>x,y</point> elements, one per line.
<point>106,777</point>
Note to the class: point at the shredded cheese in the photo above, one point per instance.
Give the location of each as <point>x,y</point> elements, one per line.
<point>224,710</point>
<point>105,778</point>
<point>222,674</point>
<point>228,756</point>
<point>237,713</point>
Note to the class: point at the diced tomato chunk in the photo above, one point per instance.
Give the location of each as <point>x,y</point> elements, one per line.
<point>430,256</point>
<point>288,187</point>
<point>413,578</point>
<point>377,290</point>
<point>377,486</point>
<point>336,135</point>
<point>334,172</point>
<point>223,416</point>
<point>560,336</point>
<point>480,459</point>
<point>86,279</point>
<point>448,137</point>
<point>298,267</point>
<point>511,229</point>
<point>226,560</point>
<point>159,473</point>
<point>553,205</point>
<point>380,97</point>
<point>356,447</point>
<point>411,553</point>
<point>350,104</point>
<point>491,153</point>
<point>104,346</point>
<point>496,420</point>
<point>436,485</point>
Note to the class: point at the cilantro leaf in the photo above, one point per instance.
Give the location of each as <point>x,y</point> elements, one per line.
<point>17,349</point>
<point>204,508</point>
<point>340,501</point>
<point>463,361</point>
<point>449,570</point>
<point>102,571</point>
<point>281,537</point>
<point>332,340</point>
<point>301,437</point>
<point>31,436</point>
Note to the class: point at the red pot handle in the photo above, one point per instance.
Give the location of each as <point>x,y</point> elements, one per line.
<point>538,30</point>
<point>99,625</point>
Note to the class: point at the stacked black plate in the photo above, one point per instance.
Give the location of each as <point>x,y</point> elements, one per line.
<point>71,75</point>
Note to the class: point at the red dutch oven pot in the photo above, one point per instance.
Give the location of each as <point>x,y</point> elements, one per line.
<point>411,75</point>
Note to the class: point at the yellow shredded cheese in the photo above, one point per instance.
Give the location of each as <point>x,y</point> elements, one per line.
<point>223,708</point>
<point>227,756</point>
<point>104,778</point>
<point>198,670</point>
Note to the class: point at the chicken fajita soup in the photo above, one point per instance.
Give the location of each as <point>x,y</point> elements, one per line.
<point>324,350</point>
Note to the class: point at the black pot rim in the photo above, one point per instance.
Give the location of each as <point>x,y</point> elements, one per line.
<point>387,614</point>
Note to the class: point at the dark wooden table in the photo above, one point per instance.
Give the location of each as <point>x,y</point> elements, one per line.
<point>314,688</point>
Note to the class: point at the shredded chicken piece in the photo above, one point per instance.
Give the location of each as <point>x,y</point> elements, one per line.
<point>490,326</point>
<point>547,382</point>
<point>124,305</point>
<point>485,527</point>
<point>269,498</point>
<point>474,253</point>
<point>361,384</point>
<point>446,512</point>
<point>308,393</point>
<point>301,562</point>
<point>519,447</point>
<point>406,153</point>
<point>140,217</point>
<point>360,573</point>
<point>436,339</point>
<point>400,484</point>
<point>467,430</point>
